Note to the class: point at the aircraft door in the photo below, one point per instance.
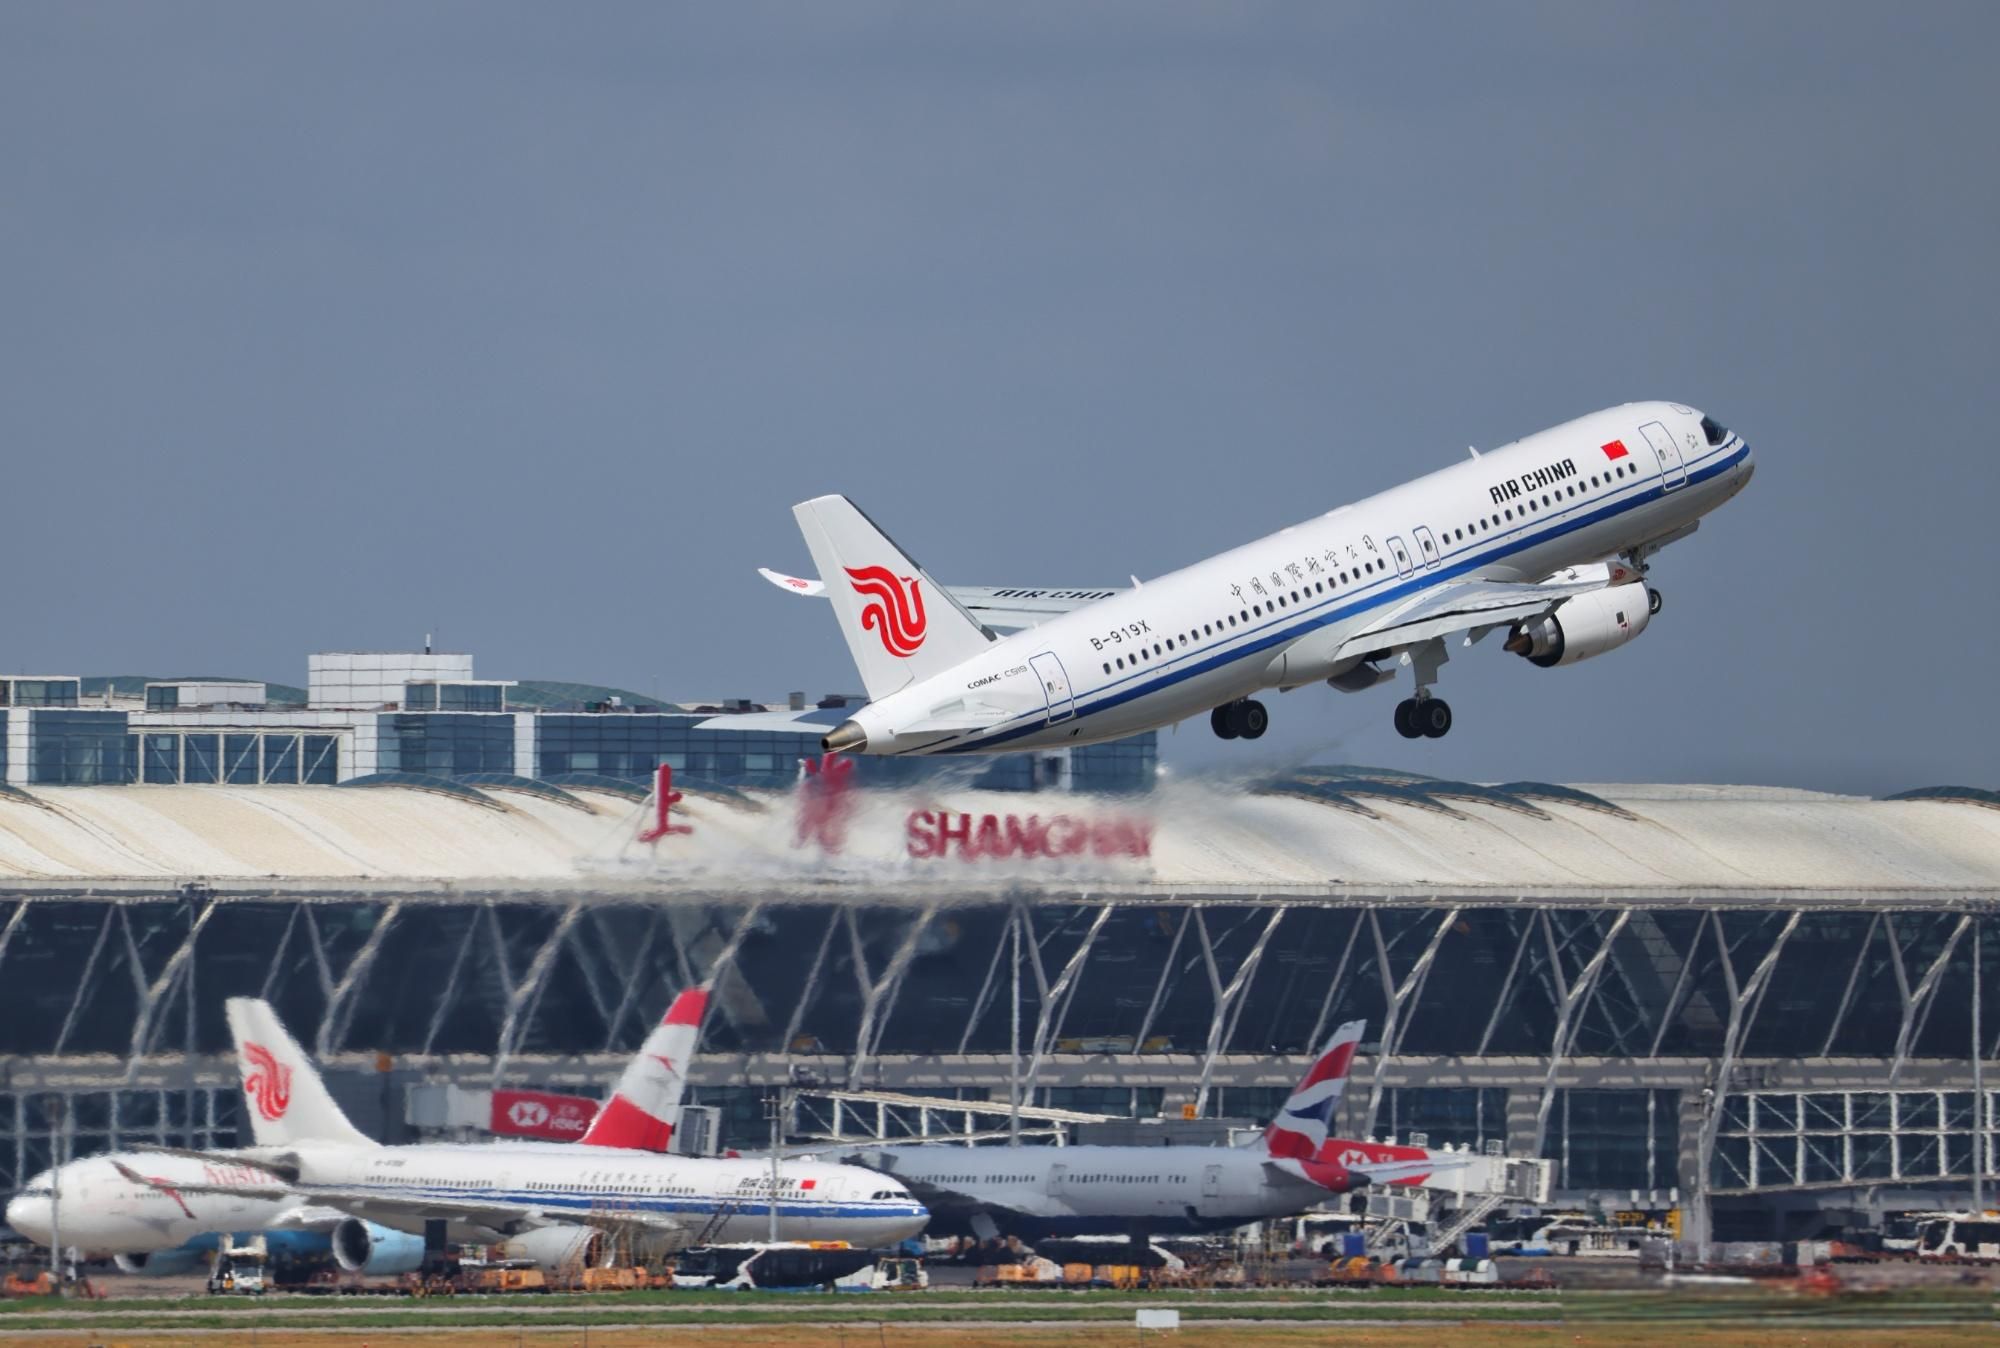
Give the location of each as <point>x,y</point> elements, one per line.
<point>1211,1181</point>
<point>1427,548</point>
<point>1401,552</point>
<point>1055,686</point>
<point>1056,1176</point>
<point>1672,471</point>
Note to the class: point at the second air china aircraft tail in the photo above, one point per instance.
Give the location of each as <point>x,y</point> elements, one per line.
<point>1549,539</point>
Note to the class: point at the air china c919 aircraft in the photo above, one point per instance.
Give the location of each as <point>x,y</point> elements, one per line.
<point>1549,539</point>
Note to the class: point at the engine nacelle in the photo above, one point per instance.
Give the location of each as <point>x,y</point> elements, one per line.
<point>364,1247</point>
<point>554,1247</point>
<point>1590,624</point>
<point>162,1262</point>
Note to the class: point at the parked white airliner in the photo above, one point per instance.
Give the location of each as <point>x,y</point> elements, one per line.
<point>1035,1193</point>
<point>312,1171</point>
<point>166,1218</point>
<point>1549,538</point>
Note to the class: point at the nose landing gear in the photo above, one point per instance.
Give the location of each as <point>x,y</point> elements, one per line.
<point>1245,719</point>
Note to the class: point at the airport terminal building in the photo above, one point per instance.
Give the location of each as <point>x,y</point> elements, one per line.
<point>1761,1009</point>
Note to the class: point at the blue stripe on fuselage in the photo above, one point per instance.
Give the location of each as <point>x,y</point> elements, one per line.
<point>1282,631</point>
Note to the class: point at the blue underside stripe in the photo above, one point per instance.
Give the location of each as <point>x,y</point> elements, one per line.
<point>1283,631</point>
<point>749,1206</point>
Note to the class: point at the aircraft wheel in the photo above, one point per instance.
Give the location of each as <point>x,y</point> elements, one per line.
<point>1252,720</point>
<point>1222,723</point>
<point>1433,717</point>
<point>1653,602</point>
<point>1406,719</point>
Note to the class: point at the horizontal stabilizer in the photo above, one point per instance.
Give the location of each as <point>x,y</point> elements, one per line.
<point>1004,608</point>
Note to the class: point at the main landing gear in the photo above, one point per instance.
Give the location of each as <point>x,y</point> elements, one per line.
<point>1424,716</point>
<point>1427,717</point>
<point>1245,720</point>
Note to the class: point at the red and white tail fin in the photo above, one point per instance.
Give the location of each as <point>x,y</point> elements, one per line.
<point>645,1105</point>
<point>1306,1121</point>
<point>283,1096</point>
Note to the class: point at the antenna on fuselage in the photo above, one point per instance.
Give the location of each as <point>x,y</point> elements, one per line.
<point>1473,450</point>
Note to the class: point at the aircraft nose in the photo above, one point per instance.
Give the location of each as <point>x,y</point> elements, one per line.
<point>30,1216</point>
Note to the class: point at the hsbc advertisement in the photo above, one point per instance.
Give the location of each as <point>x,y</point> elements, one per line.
<point>556,1118</point>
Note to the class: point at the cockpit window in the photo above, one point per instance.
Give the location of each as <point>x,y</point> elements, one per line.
<point>1714,430</point>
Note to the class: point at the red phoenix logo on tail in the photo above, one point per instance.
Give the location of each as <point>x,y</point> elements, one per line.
<point>895,608</point>
<point>269,1082</point>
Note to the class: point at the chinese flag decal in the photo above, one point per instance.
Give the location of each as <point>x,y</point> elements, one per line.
<point>1614,450</point>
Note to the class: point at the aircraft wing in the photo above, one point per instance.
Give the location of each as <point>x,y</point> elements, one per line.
<point>1461,605</point>
<point>510,1219</point>
<point>1004,608</point>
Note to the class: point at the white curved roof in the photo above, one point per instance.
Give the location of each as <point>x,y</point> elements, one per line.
<point>1202,838</point>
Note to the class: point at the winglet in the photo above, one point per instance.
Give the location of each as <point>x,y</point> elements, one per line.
<point>794,584</point>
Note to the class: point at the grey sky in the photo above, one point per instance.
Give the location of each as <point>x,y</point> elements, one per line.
<point>325,326</point>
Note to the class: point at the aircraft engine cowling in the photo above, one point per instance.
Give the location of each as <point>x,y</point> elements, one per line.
<point>163,1262</point>
<point>553,1247</point>
<point>1587,625</point>
<point>364,1247</point>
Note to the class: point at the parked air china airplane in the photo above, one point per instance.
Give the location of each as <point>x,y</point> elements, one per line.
<point>161,1211</point>
<point>1040,1192</point>
<point>1549,538</point>
<point>544,1201</point>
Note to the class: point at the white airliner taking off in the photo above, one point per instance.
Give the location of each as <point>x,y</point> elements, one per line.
<point>1548,538</point>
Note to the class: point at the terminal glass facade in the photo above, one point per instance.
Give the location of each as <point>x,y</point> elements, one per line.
<point>446,744</point>
<point>80,748</point>
<point>1121,1002</point>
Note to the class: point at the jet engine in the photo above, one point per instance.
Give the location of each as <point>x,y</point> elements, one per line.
<point>551,1247</point>
<point>162,1262</point>
<point>1590,624</point>
<point>364,1247</point>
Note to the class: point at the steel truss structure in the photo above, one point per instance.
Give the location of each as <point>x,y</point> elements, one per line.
<point>1754,1043</point>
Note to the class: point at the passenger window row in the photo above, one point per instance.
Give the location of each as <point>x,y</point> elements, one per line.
<point>1484,524</point>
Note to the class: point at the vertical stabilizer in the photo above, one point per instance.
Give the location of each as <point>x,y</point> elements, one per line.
<point>645,1105</point>
<point>900,624</point>
<point>1306,1121</point>
<point>282,1093</point>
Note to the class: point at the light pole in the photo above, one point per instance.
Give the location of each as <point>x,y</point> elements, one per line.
<point>57,1116</point>
<point>774,1109</point>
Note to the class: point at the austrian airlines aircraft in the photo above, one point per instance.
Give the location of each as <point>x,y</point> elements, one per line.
<point>1548,538</point>
<point>1038,1192</point>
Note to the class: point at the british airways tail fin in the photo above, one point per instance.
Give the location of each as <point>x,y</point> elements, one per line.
<point>282,1092</point>
<point>645,1105</point>
<point>900,624</point>
<point>1303,1125</point>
